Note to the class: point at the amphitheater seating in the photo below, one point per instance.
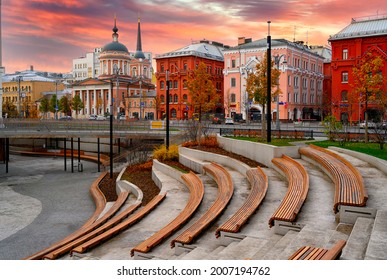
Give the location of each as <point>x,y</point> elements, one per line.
<point>100,203</point>
<point>349,185</point>
<point>298,186</point>
<point>196,189</point>
<point>314,253</point>
<point>259,183</point>
<point>225,192</point>
<point>113,231</point>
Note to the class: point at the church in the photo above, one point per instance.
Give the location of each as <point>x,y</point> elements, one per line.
<point>124,85</point>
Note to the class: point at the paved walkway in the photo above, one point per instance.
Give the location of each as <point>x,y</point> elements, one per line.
<point>40,203</point>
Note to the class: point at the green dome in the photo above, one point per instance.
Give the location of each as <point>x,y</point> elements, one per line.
<point>115,46</point>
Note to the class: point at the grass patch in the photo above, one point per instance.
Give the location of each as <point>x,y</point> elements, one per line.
<point>372,149</point>
<point>279,142</point>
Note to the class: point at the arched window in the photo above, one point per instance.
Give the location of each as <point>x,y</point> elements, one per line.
<point>173,113</point>
<point>344,96</point>
<point>134,72</point>
<point>185,98</point>
<point>162,85</point>
<point>170,98</point>
<point>344,77</point>
<point>162,99</point>
<point>185,83</point>
<point>175,98</point>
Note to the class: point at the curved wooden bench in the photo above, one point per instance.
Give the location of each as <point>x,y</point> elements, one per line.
<point>349,185</point>
<point>113,231</point>
<point>259,183</point>
<point>298,186</point>
<point>314,253</point>
<point>225,192</point>
<point>100,203</point>
<point>196,189</point>
<point>62,248</point>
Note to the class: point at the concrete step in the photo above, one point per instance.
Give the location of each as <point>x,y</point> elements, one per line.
<point>266,247</point>
<point>307,236</point>
<point>244,249</point>
<point>358,240</point>
<point>377,246</point>
<point>280,245</point>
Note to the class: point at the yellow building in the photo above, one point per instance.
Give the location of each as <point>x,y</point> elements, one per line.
<point>22,90</point>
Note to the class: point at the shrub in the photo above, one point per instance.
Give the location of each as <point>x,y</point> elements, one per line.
<point>162,154</point>
<point>210,141</point>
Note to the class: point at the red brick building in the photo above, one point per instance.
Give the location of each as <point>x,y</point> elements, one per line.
<point>179,63</point>
<point>348,47</point>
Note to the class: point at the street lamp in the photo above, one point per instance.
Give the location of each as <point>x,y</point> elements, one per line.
<point>268,85</point>
<point>167,109</point>
<point>141,101</point>
<point>19,78</point>
<point>277,60</point>
<point>116,71</point>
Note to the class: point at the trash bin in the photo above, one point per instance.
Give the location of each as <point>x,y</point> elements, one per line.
<point>80,167</point>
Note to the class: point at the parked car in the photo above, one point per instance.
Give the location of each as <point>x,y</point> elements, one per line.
<point>216,120</point>
<point>101,118</point>
<point>229,121</point>
<point>92,117</point>
<point>370,124</point>
<point>65,118</point>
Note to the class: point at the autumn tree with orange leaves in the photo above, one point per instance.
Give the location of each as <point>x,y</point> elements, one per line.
<point>256,85</point>
<point>368,86</point>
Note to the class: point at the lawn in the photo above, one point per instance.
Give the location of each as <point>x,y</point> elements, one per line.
<point>274,141</point>
<point>372,149</point>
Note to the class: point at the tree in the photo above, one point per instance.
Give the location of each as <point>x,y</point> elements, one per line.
<point>368,83</point>
<point>54,106</point>
<point>65,105</point>
<point>331,127</point>
<point>256,85</point>
<point>77,104</point>
<point>44,106</point>
<point>9,109</point>
<point>202,91</point>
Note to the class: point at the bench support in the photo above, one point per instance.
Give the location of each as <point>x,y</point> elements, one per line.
<point>181,248</point>
<point>349,214</point>
<point>226,238</point>
<point>142,256</point>
<point>282,227</point>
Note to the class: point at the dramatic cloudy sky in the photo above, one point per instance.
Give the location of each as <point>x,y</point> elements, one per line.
<point>48,34</point>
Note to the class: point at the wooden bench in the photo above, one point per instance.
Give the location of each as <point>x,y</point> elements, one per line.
<point>298,186</point>
<point>314,253</point>
<point>259,183</point>
<point>196,189</point>
<point>62,248</point>
<point>225,192</point>
<point>349,185</point>
<point>100,203</point>
<point>101,235</point>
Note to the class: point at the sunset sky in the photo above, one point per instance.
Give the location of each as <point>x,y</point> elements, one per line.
<point>48,34</point>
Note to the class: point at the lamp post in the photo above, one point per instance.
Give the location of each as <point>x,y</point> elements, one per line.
<point>268,84</point>
<point>116,71</point>
<point>141,101</point>
<point>19,78</point>
<point>277,60</point>
<point>167,109</point>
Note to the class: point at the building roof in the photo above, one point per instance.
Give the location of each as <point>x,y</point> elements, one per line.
<point>115,45</point>
<point>205,49</point>
<point>363,27</point>
<point>28,76</point>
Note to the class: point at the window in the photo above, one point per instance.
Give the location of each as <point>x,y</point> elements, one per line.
<point>233,82</point>
<point>233,64</point>
<point>162,68</point>
<point>344,96</point>
<point>175,84</point>
<point>296,82</point>
<point>344,77</point>
<point>289,80</point>
<point>173,113</point>
<point>162,85</point>
<point>185,84</point>
<point>162,99</point>
<point>185,98</point>
<point>134,71</point>
<point>185,67</point>
<point>232,98</point>
<point>345,54</point>
<point>170,98</point>
<point>175,98</point>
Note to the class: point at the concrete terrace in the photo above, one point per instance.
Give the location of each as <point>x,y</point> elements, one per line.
<point>320,226</point>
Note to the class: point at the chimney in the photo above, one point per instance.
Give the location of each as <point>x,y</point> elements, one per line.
<point>241,40</point>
